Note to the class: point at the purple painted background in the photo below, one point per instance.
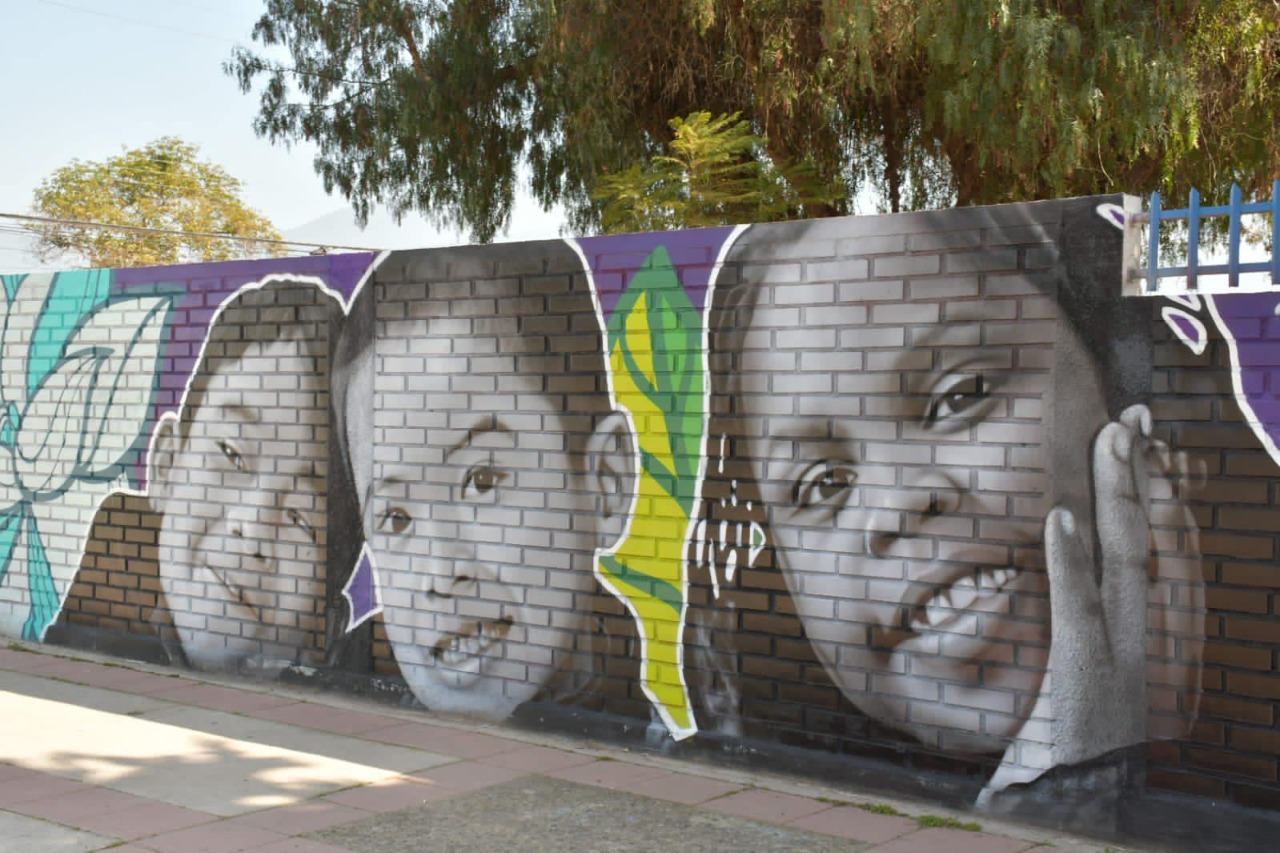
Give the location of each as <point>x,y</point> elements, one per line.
<point>616,258</point>
<point>201,288</point>
<point>1250,319</point>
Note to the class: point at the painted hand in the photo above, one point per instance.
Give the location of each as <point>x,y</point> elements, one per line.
<point>1098,658</point>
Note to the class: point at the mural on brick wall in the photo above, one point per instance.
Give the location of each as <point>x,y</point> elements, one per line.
<point>907,490</point>
<point>211,538</point>
<point>954,477</point>
<point>77,372</point>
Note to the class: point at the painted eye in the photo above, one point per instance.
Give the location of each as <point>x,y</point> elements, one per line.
<point>235,457</point>
<point>827,483</point>
<point>299,521</point>
<point>959,397</point>
<point>481,481</point>
<point>394,520</point>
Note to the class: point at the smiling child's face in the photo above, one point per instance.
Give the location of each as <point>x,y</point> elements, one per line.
<point>484,534</point>
<point>906,471</point>
<point>241,489</point>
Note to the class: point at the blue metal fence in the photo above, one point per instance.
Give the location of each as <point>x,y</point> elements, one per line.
<point>1194,214</point>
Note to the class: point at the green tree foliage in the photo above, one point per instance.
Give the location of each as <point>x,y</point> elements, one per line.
<point>162,185</point>
<point>444,105</point>
<point>716,174</point>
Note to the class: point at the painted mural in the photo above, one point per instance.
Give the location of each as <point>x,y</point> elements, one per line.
<point>919,491</point>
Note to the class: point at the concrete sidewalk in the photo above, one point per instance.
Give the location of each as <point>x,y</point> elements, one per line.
<point>103,754</point>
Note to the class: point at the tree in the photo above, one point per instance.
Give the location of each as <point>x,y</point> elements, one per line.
<point>162,185</point>
<point>444,105</point>
<point>716,174</point>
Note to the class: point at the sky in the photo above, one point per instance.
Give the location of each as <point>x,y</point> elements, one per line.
<point>88,78</point>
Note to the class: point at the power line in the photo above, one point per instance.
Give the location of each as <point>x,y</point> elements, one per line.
<point>153,25</point>
<point>138,229</point>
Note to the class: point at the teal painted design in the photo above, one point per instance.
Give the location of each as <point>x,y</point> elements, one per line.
<point>11,283</point>
<point>12,423</point>
<point>10,527</point>
<point>44,596</point>
<point>71,416</point>
<point>73,297</point>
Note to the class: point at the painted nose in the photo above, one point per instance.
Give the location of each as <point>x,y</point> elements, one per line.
<point>252,531</point>
<point>455,574</point>
<point>906,513</point>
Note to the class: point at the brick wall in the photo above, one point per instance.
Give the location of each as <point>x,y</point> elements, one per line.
<point>1231,750</point>
<point>844,489</point>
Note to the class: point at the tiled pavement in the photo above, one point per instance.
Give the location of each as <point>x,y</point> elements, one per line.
<point>99,754</point>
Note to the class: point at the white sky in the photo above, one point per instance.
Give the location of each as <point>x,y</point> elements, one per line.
<point>86,78</point>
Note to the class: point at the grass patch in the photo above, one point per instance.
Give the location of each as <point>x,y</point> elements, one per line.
<point>832,802</point>
<point>880,808</point>
<point>18,647</point>
<point>933,821</point>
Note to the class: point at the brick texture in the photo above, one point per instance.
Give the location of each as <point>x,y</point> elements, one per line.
<point>897,404</point>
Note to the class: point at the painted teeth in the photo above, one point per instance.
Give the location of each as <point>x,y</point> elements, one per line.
<point>963,593</point>
<point>459,649</point>
<point>1000,577</point>
<point>949,602</point>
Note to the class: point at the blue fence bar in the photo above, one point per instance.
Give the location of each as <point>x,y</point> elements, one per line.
<point>1153,246</point>
<point>1193,238</point>
<point>1275,231</point>
<point>1194,214</point>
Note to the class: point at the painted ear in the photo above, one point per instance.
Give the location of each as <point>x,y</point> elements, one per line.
<point>612,469</point>
<point>164,449</point>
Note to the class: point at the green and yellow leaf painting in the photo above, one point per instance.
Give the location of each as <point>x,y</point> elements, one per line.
<point>656,360</point>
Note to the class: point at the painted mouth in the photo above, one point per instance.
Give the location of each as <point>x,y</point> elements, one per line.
<point>942,604</point>
<point>235,593</point>
<point>466,647</point>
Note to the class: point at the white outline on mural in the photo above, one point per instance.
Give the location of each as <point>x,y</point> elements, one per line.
<point>1195,345</point>
<point>677,732</point>
<point>366,553</point>
<point>1237,380</point>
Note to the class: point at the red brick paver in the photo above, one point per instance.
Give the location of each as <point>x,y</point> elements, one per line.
<point>220,837</point>
<point>615,775</point>
<point>856,824</point>
<point>442,740</point>
<point>470,775</point>
<point>36,786</point>
<point>220,698</point>
<point>140,821</point>
<point>308,816</point>
<point>390,795</point>
<point>338,721</point>
<point>536,759</point>
<point>683,788</point>
<point>766,806</point>
<point>71,807</point>
<point>953,841</point>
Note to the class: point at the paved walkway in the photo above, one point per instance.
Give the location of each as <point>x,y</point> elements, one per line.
<point>100,754</point>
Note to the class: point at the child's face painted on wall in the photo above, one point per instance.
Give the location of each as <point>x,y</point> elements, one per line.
<point>906,469</point>
<point>242,493</point>
<point>482,525</point>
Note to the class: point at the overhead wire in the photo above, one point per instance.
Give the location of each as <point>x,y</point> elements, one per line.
<point>139,229</point>
<point>178,175</point>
